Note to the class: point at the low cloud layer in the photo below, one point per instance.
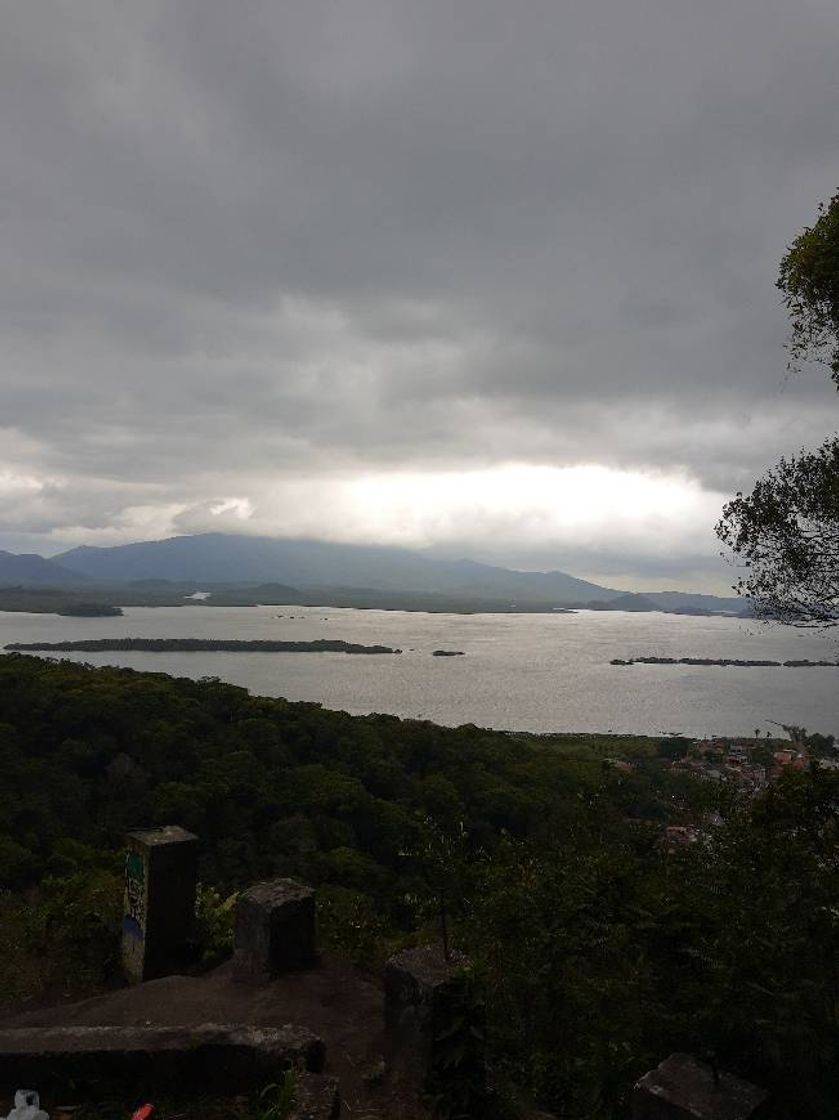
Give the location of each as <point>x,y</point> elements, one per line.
<point>394,271</point>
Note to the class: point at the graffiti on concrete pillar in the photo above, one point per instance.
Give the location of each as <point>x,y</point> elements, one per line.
<point>134,921</point>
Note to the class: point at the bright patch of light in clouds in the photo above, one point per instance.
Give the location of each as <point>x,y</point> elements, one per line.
<point>580,505</point>
<point>558,507</point>
<point>12,484</point>
<point>239,507</point>
<point>518,514</point>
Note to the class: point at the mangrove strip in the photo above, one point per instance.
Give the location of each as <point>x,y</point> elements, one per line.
<point>725,662</point>
<point>199,645</point>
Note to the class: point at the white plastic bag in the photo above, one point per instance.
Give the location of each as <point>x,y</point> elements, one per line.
<point>27,1106</point>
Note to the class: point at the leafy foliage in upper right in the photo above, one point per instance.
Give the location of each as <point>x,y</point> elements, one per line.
<point>787,530</point>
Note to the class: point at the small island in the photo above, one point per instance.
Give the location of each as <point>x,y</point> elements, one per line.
<point>726,662</point>
<point>90,610</point>
<point>198,645</point>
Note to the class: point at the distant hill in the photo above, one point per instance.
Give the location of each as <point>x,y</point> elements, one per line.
<point>314,566</point>
<point>683,600</point>
<point>307,564</point>
<point>628,602</point>
<point>30,570</point>
<point>671,602</point>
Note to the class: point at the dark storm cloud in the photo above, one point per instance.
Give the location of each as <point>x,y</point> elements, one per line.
<point>259,241</point>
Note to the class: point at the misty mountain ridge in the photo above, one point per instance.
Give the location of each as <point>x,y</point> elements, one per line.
<point>229,558</point>
<point>27,569</point>
<point>310,565</point>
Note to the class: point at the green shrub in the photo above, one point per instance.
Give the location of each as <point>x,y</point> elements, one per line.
<point>276,1101</point>
<point>350,926</point>
<point>214,914</point>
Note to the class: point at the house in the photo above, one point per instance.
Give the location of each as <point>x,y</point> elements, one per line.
<point>619,764</point>
<point>679,835</point>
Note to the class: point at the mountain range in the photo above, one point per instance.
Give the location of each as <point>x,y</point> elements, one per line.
<point>27,569</point>
<point>314,567</point>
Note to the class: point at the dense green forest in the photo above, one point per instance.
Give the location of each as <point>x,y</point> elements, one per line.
<point>599,948</point>
<point>163,593</point>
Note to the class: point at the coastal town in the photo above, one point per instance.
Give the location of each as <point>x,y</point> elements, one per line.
<point>746,766</point>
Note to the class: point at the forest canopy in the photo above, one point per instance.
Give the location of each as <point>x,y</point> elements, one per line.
<point>600,949</point>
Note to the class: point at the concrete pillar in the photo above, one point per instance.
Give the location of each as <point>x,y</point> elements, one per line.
<point>682,1088</point>
<point>160,879</point>
<point>274,930</point>
<point>422,991</point>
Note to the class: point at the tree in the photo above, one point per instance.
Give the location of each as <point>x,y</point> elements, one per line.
<point>809,279</point>
<point>787,529</point>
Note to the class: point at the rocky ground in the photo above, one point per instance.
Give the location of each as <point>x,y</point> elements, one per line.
<point>336,1001</point>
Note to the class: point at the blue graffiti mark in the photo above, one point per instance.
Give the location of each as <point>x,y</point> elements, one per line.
<point>133,928</point>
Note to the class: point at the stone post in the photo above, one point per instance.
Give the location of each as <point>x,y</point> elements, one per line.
<point>274,930</point>
<point>682,1088</point>
<point>422,994</point>
<point>160,880</point>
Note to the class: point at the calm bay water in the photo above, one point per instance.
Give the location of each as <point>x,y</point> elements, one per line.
<point>527,672</point>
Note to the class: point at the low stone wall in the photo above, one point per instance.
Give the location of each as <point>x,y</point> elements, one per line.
<point>216,1058</point>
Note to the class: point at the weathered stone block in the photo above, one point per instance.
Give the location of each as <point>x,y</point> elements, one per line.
<point>160,879</point>
<point>221,1058</point>
<point>421,987</point>
<point>274,930</point>
<point>416,978</point>
<point>682,1088</point>
<point>315,1097</point>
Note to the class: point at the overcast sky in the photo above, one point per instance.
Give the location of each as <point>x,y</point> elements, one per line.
<point>490,278</point>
